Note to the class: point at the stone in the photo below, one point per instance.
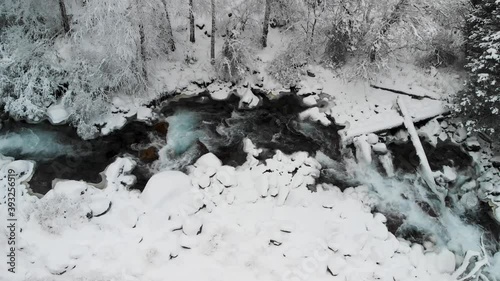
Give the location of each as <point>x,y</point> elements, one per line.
<point>161,128</point>
<point>449,174</point>
<point>495,161</point>
<point>336,265</point>
<point>445,261</point>
<point>380,148</point>
<point>204,181</point>
<point>444,124</point>
<point>443,136</point>
<point>149,154</point>
<point>192,226</point>
<point>469,200</point>
<point>100,207</point>
<point>372,138</point>
<point>460,134</point>
<point>208,160</point>
<point>485,188</point>
<point>472,144</point>
<point>310,73</point>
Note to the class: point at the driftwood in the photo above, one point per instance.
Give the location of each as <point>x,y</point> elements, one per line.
<point>425,168</point>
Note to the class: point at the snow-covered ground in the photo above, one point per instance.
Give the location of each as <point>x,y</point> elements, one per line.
<point>258,221</point>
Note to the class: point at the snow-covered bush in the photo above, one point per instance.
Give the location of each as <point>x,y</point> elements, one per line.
<point>337,47</point>
<point>57,211</point>
<point>28,72</point>
<point>479,103</point>
<point>232,63</point>
<point>287,67</point>
<point>84,108</point>
<point>444,49</point>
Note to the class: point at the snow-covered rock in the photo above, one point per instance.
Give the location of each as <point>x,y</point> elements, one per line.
<point>170,192</point>
<point>372,138</point>
<point>460,134</point>
<point>314,114</point>
<point>449,174</point>
<point>472,144</point>
<point>57,114</point>
<point>380,148</point>
<point>363,150</point>
<point>208,160</point>
<point>192,226</point>
<point>144,113</point>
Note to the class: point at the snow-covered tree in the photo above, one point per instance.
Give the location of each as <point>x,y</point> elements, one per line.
<point>479,104</point>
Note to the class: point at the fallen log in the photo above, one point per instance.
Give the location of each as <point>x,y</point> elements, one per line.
<point>425,168</point>
<point>388,121</point>
<point>424,93</point>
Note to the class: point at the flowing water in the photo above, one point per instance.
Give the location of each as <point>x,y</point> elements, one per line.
<point>199,125</point>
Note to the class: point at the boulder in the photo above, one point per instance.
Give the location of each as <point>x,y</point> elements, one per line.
<point>460,134</point>
<point>495,161</point>
<point>161,128</point>
<point>208,160</point>
<point>472,144</point>
<point>149,154</point>
<point>192,226</point>
<point>380,148</point>
<point>372,138</point>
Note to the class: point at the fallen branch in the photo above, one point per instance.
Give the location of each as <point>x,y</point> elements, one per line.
<point>425,168</point>
<point>401,92</point>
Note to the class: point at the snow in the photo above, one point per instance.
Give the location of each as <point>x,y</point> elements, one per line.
<point>171,193</point>
<point>314,114</point>
<point>57,114</point>
<point>244,235</point>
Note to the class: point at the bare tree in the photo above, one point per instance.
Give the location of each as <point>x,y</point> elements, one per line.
<point>387,22</point>
<point>64,16</point>
<point>191,22</point>
<point>265,30</point>
<point>171,41</point>
<point>212,39</point>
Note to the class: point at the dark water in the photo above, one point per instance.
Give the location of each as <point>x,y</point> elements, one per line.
<point>197,125</point>
<point>274,125</point>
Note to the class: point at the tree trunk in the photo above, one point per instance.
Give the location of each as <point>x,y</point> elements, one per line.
<point>191,22</point>
<point>142,47</point>
<point>212,39</point>
<point>265,30</point>
<point>171,41</point>
<point>425,168</point>
<point>64,16</point>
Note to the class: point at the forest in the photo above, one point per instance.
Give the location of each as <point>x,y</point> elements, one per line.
<point>84,52</point>
<point>283,140</point>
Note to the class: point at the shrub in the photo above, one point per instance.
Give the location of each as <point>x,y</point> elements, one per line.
<point>445,49</point>
<point>337,47</point>
<point>479,103</point>
<point>287,67</point>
